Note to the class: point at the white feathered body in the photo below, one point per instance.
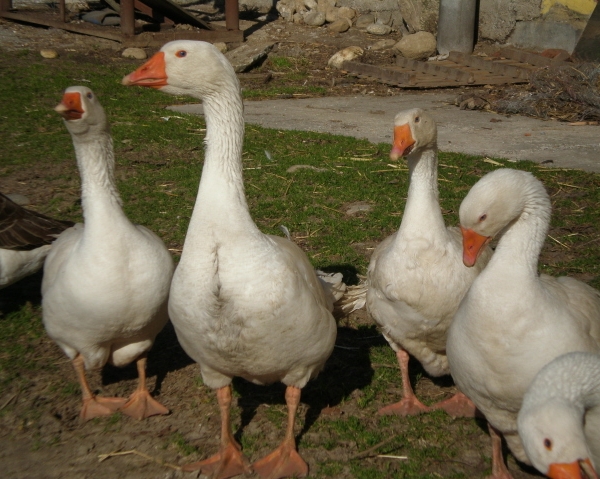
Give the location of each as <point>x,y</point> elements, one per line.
<point>243,303</point>
<point>512,322</point>
<point>416,277</point>
<point>106,284</point>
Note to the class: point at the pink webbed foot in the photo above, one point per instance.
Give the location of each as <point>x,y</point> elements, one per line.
<point>499,469</point>
<point>409,406</point>
<point>142,405</point>
<point>458,405</point>
<point>98,406</point>
<point>282,462</point>
<point>228,462</point>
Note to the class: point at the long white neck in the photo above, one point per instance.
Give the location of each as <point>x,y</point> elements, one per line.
<point>582,385</point>
<point>422,211</point>
<point>99,196</point>
<point>520,245</point>
<point>221,197</point>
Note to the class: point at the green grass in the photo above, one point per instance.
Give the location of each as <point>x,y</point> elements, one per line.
<point>158,168</point>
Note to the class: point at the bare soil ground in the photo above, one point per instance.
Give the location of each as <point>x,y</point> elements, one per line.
<point>40,434</point>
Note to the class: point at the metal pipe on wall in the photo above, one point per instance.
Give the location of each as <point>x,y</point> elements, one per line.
<point>456,26</point>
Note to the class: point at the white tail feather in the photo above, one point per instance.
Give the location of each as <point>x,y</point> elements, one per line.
<point>333,286</point>
<point>355,296</point>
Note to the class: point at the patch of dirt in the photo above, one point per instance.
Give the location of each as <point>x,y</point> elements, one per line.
<point>40,434</point>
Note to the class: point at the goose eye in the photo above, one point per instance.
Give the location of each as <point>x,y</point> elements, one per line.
<point>181,53</point>
<point>90,95</point>
<point>417,119</point>
<point>482,218</point>
<point>548,444</point>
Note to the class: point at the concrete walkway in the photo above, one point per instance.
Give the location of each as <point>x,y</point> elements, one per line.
<point>472,132</point>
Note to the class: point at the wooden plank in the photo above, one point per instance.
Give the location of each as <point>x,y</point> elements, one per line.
<point>422,78</point>
<point>488,65</point>
<point>531,58</point>
<point>110,33</point>
<point>435,68</point>
<point>384,74</point>
<point>152,39</point>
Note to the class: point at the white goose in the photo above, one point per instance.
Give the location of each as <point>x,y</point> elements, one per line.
<point>513,321</point>
<point>25,240</point>
<point>105,285</point>
<point>416,278</point>
<point>243,303</point>
<point>559,421</point>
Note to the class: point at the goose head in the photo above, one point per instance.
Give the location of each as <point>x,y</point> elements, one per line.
<point>552,420</point>
<point>186,67</point>
<point>82,112</point>
<point>414,130</point>
<point>552,435</point>
<point>492,204</point>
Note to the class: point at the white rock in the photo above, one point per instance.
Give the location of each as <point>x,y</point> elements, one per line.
<point>398,22</point>
<point>332,14</point>
<point>47,53</point>
<point>385,18</point>
<point>222,47</point>
<point>347,12</point>
<point>298,18</point>
<point>314,18</point>
<point>347,54</point>
<point>286,11</point>
<point>136,53</point>
<point>310,4</point>
<point>358,207</point>
<point>418,46</point>
<point>378,29</point>
<point>340,26</point>
<point>324,5</point>
<point>365,20</point>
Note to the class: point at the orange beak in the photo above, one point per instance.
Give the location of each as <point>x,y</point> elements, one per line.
<point>70,106</point>
<point>403,142</point>
<point>151,74</point>
<point>581,469</point>
<point>473,244</point>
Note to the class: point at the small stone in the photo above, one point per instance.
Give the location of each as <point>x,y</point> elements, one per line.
<point>19,199</point>
<point>365,20</point>
<point>384,18</point>
<point>383,44</point>
<point>314,18</point>
<point>324,5</point>
<point>135,53</point>
<point>310,4</point>
<point>358,207</point>
<point>286,11</point>
<point>222,47</point>
<point>48,53</point>
<point>418,46</point>
<point>378,29</point>
<point>332,15</point>
<point>347,54</point>
<point>298,18</point>
<point>340,26</point>
<point>347,12</point>
<point>398,22</point>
